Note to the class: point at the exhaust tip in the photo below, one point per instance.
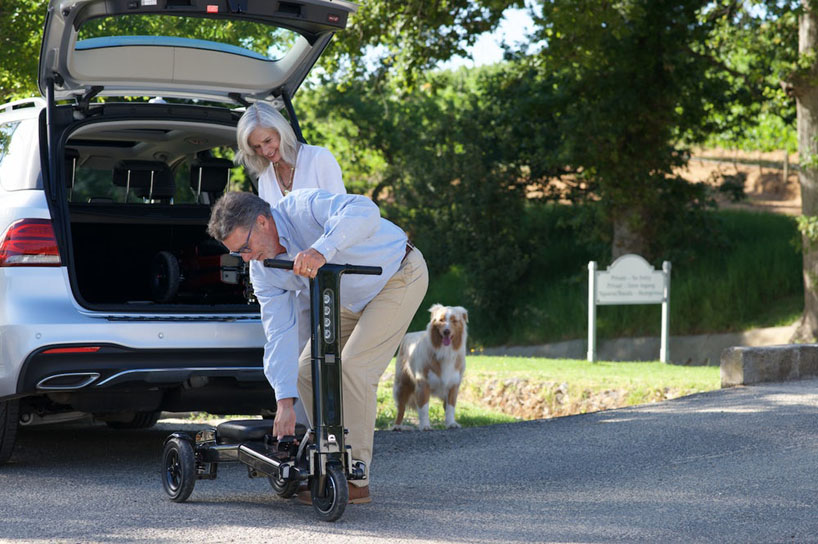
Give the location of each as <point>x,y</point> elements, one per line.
<point>68,381</point>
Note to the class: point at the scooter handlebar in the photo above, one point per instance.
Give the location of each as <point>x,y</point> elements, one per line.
<point>337,268</point>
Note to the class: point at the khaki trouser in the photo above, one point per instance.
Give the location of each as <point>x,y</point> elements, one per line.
<point>369,340</point>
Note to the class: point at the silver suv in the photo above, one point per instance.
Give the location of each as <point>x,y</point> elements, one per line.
<point>115,302</point>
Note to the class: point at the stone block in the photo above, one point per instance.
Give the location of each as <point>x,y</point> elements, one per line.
<point>748,365</point>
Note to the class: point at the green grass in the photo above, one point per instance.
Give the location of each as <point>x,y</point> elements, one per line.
<point>561,386</point>
<point>600,374</point>
<point>751,280</point>
<point>558,386</point>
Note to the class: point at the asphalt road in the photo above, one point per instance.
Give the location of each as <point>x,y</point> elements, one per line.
<point>735,465</point>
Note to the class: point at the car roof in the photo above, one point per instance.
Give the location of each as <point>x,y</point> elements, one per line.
<point>218,50</point>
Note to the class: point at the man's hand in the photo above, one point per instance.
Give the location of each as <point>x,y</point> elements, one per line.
<point>284,422</point>
<point>307,263</point>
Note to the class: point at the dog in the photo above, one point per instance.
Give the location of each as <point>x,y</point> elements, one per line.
<point>431,362</point>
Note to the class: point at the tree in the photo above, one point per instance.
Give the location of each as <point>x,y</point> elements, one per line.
<point>804,83</point>
<point>636,86</point>
<point>21,24</point>
<point>451,163</point>
<point>402,40</point>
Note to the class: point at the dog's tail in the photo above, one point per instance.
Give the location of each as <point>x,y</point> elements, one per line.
<point>399,359</point>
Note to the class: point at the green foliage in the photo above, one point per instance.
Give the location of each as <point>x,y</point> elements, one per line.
<point>451,171</point>
<point>632,88</point>
<point>21,23</point>
<point>400,41</point>
<point>599,375</point>
<point>765,132</point>
<point>755,46</point>
<point>808,227</point>
<point>751,279</point>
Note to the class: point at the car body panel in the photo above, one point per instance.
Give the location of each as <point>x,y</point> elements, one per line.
<point>171,66</point>
<point>25,328</point>
<point>20,156</point>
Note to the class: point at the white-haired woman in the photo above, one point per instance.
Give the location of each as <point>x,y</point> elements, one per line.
<point>269,150</point>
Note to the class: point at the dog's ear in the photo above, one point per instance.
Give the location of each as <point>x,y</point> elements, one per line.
<point>464,312</point>
<point>435,308</point>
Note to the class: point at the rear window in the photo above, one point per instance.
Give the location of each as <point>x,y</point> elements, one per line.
<point>235,36</point>
<point>19,168</point>
<point>86,182</point>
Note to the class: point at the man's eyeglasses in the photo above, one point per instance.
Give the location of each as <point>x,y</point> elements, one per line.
<point>245,248</point>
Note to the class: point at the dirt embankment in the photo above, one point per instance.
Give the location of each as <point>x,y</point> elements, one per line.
<point>761,175</point>
<point>526,400</point>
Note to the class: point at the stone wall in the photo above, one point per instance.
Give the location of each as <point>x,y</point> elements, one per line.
<point>748,365</point>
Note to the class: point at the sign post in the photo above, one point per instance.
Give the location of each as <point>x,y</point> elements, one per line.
<point>629,280</point>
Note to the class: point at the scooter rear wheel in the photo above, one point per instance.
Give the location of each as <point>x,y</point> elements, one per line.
<point>330,506</point>
<point>178,469</point>
<point>283,488</point>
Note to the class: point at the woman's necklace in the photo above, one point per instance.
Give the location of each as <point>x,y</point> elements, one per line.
<point>287,187</point>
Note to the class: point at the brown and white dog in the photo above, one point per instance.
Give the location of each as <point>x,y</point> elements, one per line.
<point>431,362</point>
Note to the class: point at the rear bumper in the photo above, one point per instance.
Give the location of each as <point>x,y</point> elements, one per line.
<point>138,362</point>
<point>116,379</point>
<point>72,367</point>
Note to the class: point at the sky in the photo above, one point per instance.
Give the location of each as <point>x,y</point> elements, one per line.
<point>487,50</point>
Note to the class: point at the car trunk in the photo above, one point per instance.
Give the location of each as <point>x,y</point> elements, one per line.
<point>136,192</point>
<point>120,260</point>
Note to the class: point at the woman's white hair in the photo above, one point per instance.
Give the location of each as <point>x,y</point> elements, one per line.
<point>263,115</point>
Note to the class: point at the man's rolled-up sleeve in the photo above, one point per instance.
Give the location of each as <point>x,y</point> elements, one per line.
<point>347,219</point>
<point>278,317</point>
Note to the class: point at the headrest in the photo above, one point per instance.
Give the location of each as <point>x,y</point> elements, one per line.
<point>212,173</point>
<point>150,179</point>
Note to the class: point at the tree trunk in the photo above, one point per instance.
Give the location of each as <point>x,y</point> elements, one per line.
<point>806,93</point>
<point>786,175</point>
<point>627,237</point>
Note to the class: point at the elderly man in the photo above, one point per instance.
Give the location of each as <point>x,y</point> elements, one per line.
<point>312,227</point>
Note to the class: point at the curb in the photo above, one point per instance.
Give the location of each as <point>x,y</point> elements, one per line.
<point>749,365</point>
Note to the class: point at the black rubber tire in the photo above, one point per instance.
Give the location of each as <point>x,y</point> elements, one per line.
<point>141,420</point>
<point>331,505</point>
<point>178,469</point>
<point>283,488</point>
<point>165,276</point>
<point>9,419</point>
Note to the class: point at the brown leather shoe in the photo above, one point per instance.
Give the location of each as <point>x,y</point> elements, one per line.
<point>304,496</point>
<point>357,495</point>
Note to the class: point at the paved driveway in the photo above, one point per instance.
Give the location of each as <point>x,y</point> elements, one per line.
<point>737,465</point>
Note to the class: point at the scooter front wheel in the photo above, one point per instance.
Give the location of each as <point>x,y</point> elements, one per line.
<point>331,504</point>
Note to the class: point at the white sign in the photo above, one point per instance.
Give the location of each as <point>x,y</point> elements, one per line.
<point>630,280</point>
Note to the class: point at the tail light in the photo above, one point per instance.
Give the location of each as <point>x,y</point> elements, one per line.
<point>81,349</point>
<point>29,242</point>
